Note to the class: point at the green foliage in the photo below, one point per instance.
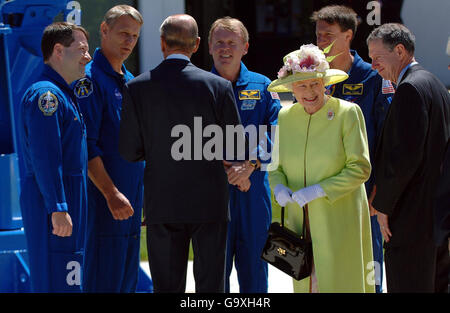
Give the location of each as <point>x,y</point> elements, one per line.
<point>143,245</point>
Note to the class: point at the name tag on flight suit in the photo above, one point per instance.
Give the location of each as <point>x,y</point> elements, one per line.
<point>249,95</point>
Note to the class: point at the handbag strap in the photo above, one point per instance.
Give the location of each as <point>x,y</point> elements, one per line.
<point>305,217</point>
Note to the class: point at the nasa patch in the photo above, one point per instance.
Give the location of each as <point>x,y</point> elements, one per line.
<point>118,94</point>
<point>83,88</point>
<point>48,103</point>
<point>248,105</point>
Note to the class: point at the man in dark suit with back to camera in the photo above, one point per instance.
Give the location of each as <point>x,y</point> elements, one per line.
<point>186,194</point>
<point>441,206</point>
<point>407,164</point>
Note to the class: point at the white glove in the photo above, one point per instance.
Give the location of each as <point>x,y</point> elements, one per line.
<point>308,194</point>
<point>282,194</point>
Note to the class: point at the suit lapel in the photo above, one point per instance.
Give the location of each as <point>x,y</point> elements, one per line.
<point>408,72</point>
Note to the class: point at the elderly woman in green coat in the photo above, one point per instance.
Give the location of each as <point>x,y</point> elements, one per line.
<point>321,159</point>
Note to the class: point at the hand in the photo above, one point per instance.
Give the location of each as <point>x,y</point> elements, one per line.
<point>239,172</point>
<point>119,206</point>
<point>227,165</point>
<point>371,197</point>
<point>62,224</point>
<point>245,186</point>
<point>282,194</point>
<point>308,194</point>
<point>384,225</point>
<point>299,197</point>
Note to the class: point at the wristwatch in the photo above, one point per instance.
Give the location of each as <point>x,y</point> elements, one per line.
<point>254,163</point>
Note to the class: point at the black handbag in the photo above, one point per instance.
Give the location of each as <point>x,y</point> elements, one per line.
<point>288,251</point>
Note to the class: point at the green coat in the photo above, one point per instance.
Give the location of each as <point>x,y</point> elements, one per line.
<point>332,145</point>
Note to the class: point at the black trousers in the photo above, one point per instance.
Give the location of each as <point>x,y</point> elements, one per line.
<point>168,252</point>
<point>417,268</point>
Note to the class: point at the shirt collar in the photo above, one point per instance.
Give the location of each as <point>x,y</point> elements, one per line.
<point>104,64</point>
<point>178,56</point>
<point>243,77</point>
<point>404,71</point>
<point>356,60</point>
<point>55,77</point>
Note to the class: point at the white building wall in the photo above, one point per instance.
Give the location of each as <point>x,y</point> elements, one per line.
<point>154,13</point>
<point>429,22</point>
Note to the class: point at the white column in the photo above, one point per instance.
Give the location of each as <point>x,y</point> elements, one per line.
<point>154,13</point>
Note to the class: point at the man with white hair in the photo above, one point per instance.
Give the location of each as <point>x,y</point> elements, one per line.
<point>185,199</point>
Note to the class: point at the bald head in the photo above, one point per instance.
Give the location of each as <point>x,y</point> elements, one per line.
<point>180,32</point>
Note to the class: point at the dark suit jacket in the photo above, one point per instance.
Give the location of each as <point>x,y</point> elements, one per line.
<point>176,91</point>
<point>442,202</point>
<point>409,155</point>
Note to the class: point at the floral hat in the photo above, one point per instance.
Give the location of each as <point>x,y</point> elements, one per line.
<point>307,63</point>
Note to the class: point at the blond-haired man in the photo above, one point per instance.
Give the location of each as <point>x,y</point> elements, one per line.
<point>115,188</point>
<point>250,207</point>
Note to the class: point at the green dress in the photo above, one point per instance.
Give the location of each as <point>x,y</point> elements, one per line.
<point>329,148</point>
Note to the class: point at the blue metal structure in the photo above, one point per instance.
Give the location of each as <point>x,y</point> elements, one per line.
<point>21,25</point>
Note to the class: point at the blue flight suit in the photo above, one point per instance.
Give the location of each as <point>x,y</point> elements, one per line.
<point>365,87</point>
<point>251,212</point>
<point>53,139</point>
<point>112,258</point>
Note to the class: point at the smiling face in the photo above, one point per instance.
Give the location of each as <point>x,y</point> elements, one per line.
<point>310,94</point>
<point>75,57</point>
<point>120,38</point>
<point>227,49</point>
<point>326,34</point>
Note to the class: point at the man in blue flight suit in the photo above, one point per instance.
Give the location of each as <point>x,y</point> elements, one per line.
<point>52,133</point>
<point>250,205</point>
<point>115,188</point>
<point>337,24</point>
